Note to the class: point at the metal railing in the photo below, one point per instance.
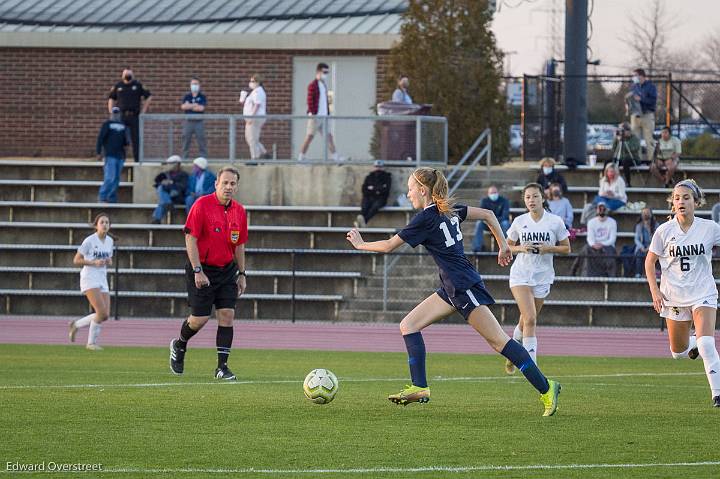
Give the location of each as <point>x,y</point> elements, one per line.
<point>398,140</point>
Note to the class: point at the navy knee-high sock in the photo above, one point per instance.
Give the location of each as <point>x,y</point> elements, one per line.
<point>519,356</point>
<point>416,358</point>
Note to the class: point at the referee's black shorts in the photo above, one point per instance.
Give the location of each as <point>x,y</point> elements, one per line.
<point>222,291</point>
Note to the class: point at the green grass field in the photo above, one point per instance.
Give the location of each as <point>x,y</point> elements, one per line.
<point>122,408</point>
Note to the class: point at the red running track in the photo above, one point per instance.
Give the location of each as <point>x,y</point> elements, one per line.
<point>449,338</point>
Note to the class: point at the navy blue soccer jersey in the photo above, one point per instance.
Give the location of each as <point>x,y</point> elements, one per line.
<point>442,237</point>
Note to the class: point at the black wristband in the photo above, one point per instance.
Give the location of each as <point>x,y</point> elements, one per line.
<point>197,269</point>
<point>242,273</point>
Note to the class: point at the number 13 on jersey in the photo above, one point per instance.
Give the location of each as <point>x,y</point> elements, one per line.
<point>449,240</point>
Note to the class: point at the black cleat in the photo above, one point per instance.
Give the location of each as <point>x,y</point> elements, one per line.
<point>177,358</point>
<point>716,401</point>
<point>693,353</point>
<point>225,374</point>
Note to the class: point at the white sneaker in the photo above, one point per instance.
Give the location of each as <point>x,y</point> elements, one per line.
<point>360,221</point>
<point>338,158</point>
<point>301,157</point>
<point>93,347</point>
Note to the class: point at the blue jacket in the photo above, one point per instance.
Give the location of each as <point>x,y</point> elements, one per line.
<point>648,95</point>
<point>208,185</point>
<point>501,207</point>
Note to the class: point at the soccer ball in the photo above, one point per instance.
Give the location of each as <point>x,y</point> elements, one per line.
<point>321,386</point>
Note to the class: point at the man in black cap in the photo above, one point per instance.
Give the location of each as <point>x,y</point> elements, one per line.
<point>127,95</point>
<point>375,191</point>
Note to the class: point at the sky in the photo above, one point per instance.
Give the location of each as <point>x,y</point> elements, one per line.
<point>527,30</point>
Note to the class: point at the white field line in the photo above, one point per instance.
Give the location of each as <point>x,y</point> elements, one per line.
<point>296,381</point>
<point>376,470</point>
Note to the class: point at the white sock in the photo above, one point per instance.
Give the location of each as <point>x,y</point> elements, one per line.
<point>517,334</point>
<point>709,353</point>
<point>95,329</point>
<point>84,322</point>
<point>692,342</point>
<point>531,345</point>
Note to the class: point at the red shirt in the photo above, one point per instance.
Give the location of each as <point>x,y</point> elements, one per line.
<point>219,229</point>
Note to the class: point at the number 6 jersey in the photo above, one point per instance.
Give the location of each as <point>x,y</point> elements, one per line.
<point>685,259</point>
<point>442,237</point>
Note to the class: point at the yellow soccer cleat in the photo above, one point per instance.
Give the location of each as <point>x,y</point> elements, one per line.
<point>550,398</point>
<point>411,394</point>
<point>509,367</point>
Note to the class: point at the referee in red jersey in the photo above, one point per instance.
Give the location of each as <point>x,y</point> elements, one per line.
<point>216,231</point>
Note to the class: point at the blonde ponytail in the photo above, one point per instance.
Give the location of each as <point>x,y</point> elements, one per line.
<point>437,185</point>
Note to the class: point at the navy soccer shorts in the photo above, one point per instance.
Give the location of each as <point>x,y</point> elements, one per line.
<point>466,301</point>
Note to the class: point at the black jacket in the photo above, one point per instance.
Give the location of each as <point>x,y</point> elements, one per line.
<point>377,184</point>
<point>554,177</point>
<point>178,187</point>
<point>113,138</point>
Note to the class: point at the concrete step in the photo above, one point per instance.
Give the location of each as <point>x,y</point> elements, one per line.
<point>175,282</point>
<point>42,190</point>
<point>171,235</point>
<point>58,170</point>
<point>169,306</point>
<point>141,213</point>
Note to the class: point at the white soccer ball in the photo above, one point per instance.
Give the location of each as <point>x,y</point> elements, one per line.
<point>321,386</point>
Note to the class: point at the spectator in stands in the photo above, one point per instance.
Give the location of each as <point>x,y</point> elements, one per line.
<point>318,108</point>
<point>548,174</point>
<point>597,258</point>
<point>255,104</point>
<point>612,189</point>
<point>715,212</point>
<point>644,230</point>
<point>200,183</point>
<point>375,191</point>
<point>112,139</point>
<point>643,125</point>
<point>194,104</point>
<point>127,95</point>
<point>171,187</point>
<point>559,205</point>
<point>401,95</point>
<point>667,157</point>
<point>501,207</point>
<point>626,150</point>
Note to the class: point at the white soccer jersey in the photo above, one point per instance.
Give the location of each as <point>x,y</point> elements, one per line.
<point>93,248</point>
<point>535,269</point>
<point>685,259</point>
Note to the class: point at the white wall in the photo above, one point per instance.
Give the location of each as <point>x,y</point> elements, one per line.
<point>352,81</point>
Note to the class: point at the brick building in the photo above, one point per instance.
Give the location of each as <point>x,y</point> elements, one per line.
<point>58,60</point>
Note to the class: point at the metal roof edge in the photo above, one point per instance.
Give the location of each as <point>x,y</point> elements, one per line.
<point>234,41</point>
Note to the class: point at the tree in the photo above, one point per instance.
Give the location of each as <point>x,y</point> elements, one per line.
<point>648,37</point>
<point>451,57</point>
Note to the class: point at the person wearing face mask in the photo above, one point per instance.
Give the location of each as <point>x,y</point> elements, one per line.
<point>498,205</point>
<point>113,137</point>
<point>597,258</point>
<point>643,124</point>
<point>318,107</point>
<point>559,205</point>
<point>128,95</point>
<point>200,183</point>
<point>194,104</point>
<point>254,104</point>
<point>548,174</point>
<point>401,95</point>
